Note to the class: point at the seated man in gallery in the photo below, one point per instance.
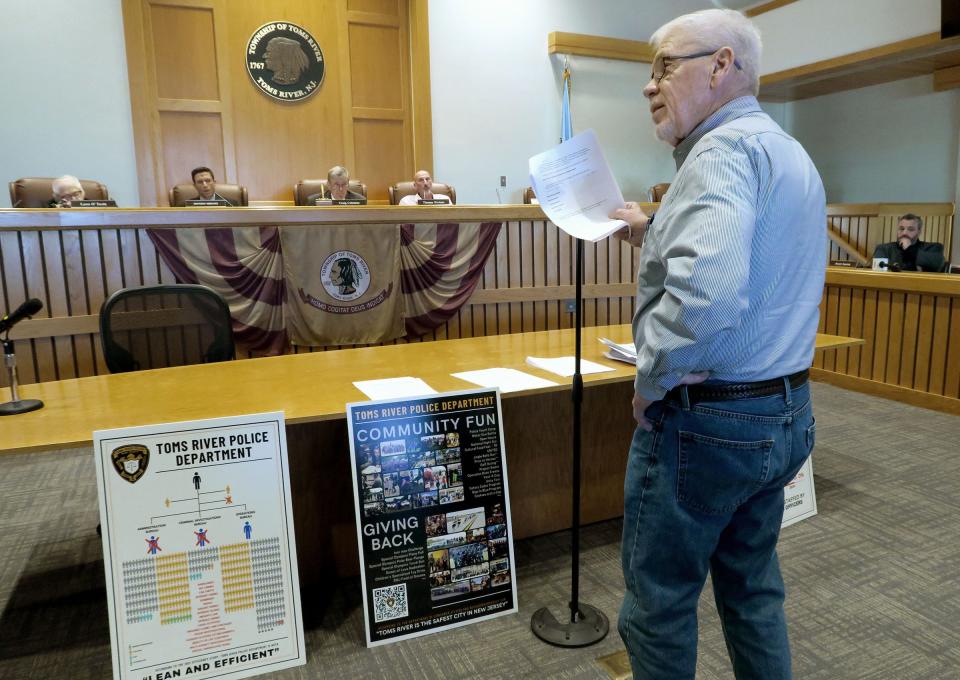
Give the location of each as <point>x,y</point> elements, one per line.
<point>206,185</point>
<point>423,183</point>
<point>908,253</point>
<point>338,180</point>
<point>65,190</point>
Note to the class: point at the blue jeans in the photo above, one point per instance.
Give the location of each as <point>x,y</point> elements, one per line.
<point>704,491</point>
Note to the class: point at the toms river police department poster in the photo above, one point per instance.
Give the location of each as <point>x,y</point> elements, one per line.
<point>199,549</point>
<point>433,513</point>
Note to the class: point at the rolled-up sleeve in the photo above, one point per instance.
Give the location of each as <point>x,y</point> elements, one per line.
<point>705,254</point>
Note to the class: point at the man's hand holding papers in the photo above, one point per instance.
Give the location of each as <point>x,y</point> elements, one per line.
<point>636,220</point>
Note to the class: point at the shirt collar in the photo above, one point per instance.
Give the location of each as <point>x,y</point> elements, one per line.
<point>732,110</point>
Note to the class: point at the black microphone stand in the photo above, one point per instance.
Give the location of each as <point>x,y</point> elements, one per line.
<point>588,625</point>
<point>16,404</point>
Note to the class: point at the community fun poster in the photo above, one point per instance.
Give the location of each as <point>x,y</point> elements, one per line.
<point>199,549</point>
<point>433,513</point>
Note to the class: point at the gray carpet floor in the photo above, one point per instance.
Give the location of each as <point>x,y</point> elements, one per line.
<point>873,580</point>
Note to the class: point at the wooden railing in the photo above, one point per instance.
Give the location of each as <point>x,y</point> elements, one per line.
<point>910,323</point>
<point>73,260</point>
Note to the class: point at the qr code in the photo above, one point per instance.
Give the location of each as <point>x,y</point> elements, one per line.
<point>390,602</point>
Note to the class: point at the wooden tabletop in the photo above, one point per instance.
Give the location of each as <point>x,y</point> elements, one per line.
<point>825,341</point>
<point>306,387</point>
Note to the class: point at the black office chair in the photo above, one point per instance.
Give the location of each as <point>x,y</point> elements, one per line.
<point>166,325</point>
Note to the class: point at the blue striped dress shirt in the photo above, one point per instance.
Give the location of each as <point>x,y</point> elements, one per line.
<point>732,268</point>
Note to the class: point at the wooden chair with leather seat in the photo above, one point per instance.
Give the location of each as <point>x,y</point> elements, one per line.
<point>657,191</point>
<point>36,192</point>
<point>305,188</point>
<point>181,193</point>
<point>401,189</point>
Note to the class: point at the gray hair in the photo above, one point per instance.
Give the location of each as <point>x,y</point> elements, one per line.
<point>716,28</point>
<point>910,217</point>
<point>64,182</point>
<point>338,171</point>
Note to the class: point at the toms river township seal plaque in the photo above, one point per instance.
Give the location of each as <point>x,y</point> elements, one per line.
<point>345,275</point>
<point>284,61</point>
<point>130,461</point>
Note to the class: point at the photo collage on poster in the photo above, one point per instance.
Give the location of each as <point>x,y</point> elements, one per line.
<point>416,472</point>
<point>467,551</point>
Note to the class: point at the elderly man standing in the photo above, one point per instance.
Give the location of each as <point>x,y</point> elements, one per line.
<point>730,279</point>
<point>65,190</point>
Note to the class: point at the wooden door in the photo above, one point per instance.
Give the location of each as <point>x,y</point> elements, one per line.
<point>194,103</point>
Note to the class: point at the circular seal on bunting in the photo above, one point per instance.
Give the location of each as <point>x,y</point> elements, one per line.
<point>284,61</point>
<point>345,275</point>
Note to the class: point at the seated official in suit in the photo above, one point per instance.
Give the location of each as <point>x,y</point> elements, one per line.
<point>423,183</point>
<point>338,179</point>
<point>65,190</point>
<point>908,252</point>
<point>206,185</point>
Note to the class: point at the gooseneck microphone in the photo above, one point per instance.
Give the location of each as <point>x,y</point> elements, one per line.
<point>17,405</point>
<point>24,311</point>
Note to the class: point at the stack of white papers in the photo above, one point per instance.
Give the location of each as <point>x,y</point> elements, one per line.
<point>507,379</point>
<point>625,351</point>
<point>564,366</point>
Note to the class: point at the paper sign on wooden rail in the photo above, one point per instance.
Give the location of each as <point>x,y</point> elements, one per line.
<point>199,549</point>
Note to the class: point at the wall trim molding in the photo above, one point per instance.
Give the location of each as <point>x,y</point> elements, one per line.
<point>599,46</point>
<point>767,7</point>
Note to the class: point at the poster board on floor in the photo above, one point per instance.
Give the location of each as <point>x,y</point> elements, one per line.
<point>199,548</point>
<point>799,496</point>
<point>433,513</point>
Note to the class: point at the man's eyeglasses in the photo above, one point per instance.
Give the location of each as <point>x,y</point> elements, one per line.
<point>661,65</point>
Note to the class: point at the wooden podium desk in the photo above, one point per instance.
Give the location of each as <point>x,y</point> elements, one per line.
<point>312,390</point>
<point>910,322</point>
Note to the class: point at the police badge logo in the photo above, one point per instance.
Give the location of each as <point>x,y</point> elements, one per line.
<point>284,61</point>
<point>130,461</point>
<point>345,275</point>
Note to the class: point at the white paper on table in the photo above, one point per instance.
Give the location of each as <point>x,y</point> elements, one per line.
<point>564,366</point>
<point>576,187</point>
<point>627,348</point>
<point>507,379</point>
<point>392,388</point>
<point>613,355</point>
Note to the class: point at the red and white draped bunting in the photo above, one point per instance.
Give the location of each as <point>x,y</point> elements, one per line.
<point>441,265</point>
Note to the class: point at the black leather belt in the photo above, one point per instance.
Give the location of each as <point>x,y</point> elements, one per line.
<point>730,391</point>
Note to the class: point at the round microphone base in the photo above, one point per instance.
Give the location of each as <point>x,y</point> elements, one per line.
<point>12,408</point>
<point>590,627</point>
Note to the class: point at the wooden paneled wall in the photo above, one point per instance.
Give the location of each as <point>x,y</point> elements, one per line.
<point>193,102</point>
<point>526,283</point>
<point>864,226</point>
<point>910,324</point>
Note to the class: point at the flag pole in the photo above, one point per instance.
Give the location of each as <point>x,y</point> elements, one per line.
<point>587,625</point>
